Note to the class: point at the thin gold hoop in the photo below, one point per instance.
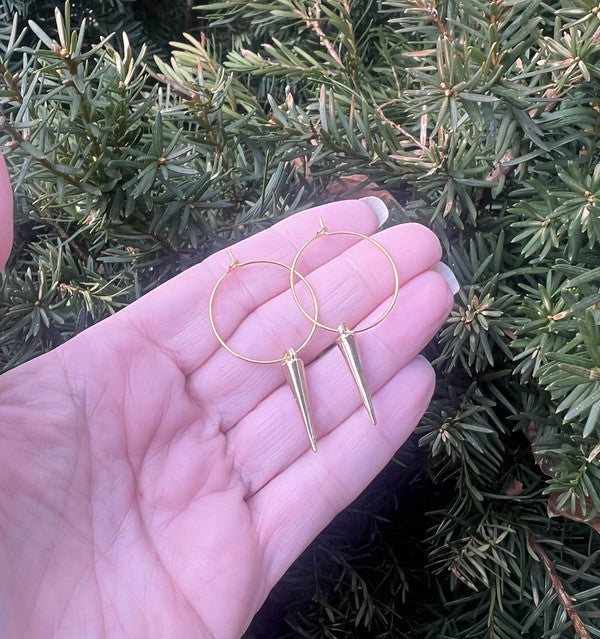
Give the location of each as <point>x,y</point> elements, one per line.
<point>236,264</point>
<point>322,232</point>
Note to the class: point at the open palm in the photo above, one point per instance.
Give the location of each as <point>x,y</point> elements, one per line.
<point>152,485</point>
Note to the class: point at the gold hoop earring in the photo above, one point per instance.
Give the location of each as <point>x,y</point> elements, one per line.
<point>346,340</point>
<point>293,366</point>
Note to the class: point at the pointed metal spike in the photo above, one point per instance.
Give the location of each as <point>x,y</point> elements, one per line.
<point>296,378</point>
<point>347,344</point>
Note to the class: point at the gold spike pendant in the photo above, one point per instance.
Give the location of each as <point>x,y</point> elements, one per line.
<point>346,342</point>
<point>296,378</point>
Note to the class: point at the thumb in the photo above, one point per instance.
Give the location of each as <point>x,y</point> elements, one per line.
<point>6,213</point>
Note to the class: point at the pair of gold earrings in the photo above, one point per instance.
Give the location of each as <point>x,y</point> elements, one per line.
<point>346,337</point>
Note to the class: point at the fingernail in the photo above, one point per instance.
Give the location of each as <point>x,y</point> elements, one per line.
<point>446,272</point>
<point>379,208</point>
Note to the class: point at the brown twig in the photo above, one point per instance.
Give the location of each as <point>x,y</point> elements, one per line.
<point>399,128</point>
<point>433,13</point>
<point>353,57</point>
<point>189,12</point>
<point>19,138</point>
<point>313,23</point>
<point>81,254</point>
<point>565,599</point>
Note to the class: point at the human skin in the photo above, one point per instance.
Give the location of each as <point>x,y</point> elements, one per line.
<point>152,485</point>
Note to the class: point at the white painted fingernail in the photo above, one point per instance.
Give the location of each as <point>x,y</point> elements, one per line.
<point>446,272</point>
<point>379,208</point>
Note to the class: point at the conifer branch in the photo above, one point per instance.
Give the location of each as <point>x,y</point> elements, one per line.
<point>563,596</point>
<point>312,21</point>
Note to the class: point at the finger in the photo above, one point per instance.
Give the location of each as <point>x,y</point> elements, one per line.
<point>6,214</point>
<point>295,506</point>
<point>175,315</point>
<point>348,287</point>
<point>272,436</point>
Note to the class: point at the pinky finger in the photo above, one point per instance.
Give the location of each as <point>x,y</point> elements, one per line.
<point>297,504</point>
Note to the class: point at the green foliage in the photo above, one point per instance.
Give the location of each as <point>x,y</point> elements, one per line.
<point>121,182</point>
<point>482,118</point>
<point>150,22</point>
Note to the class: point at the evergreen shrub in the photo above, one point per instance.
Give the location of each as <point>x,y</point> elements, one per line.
<point>478,118</point>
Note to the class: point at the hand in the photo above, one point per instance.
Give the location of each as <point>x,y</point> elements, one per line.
<point>152,485</point>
